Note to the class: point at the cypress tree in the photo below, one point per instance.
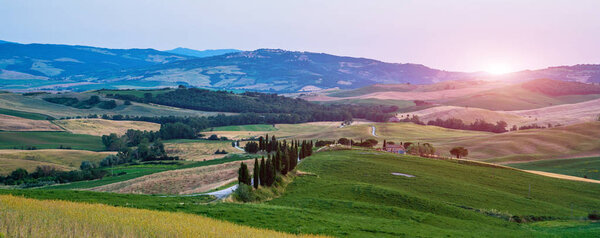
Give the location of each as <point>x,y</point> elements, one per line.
<point>256,173</point>
<point>243,174</point>
<point>263,172</point>
<point>285,164</point>
<point>384,143</point>
<point>270,173</point>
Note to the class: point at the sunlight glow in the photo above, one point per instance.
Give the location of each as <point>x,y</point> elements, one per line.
<point>497,69</point>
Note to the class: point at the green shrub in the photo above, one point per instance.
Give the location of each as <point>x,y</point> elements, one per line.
<point>243,193</point>
<point>595,215</point>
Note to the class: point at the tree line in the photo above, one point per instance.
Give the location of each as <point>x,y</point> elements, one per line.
<point>455,123</point>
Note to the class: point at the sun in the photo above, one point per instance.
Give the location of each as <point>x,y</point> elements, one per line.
<point>498,69</point>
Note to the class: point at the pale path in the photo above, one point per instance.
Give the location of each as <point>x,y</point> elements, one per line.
<point>237,147</point>
<point>373,131</point>
<point>562,176</point>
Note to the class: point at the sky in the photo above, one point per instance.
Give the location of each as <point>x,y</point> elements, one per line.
<point>458,35</point>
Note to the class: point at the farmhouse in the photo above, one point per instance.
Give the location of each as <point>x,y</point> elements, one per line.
<point>399,149</point>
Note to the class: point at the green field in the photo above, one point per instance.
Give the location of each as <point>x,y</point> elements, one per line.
<point>255,127</point>
<point>353,193</point>
<point>579,167</point>
<point>49,140</point>
<point>26,115</point>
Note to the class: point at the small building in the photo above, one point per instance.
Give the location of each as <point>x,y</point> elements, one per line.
<point>393,148</point>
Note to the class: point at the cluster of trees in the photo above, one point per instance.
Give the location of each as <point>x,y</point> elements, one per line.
<point>478,125</point>
<point>93,101</point>
<point>421,149</point>
<point>345,141</point>
<point>46,175</point>
<point>262,108</point>
<point>134,145</point>
<point>455,123</point>
<point>282,157</point>
<point>533,126</point>
<point>220,152</point>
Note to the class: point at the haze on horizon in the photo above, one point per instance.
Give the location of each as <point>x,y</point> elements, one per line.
<point>464,35</point>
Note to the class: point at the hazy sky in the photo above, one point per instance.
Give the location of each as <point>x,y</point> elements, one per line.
<point>453,35</point>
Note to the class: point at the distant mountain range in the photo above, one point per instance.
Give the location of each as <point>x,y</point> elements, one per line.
<point>30,67</point>
<point>201,53</point>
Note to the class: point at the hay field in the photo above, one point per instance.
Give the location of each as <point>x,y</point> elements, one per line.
<point>565,114</point>
<point>529,145</point>
<point>182,181</point>
<point>284,130</point>
<point>196,150</point>
<point>23,217</point>
<point>60,159</point>
<point>12,123</point>
<point>471,114</point>
<point>99,127</point>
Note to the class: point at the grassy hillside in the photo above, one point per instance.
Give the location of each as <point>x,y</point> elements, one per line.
<point>22,114</point>
<point>60,159</point>
<point>536,144</point>
<point>28,217</point>
<point>580,167</point>
<point>36,105</point>
<point>49,140</point>
<point>513,98</point>
<point>353,193</point>
<point>12,123</point>
<point>99,127</point>
<point>256,127</point>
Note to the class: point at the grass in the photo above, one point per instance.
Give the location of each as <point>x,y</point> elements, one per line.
<point>49,140</point>
<point>99,127</point>
<point>22,114</point>
<point>59,159</point>
<point>354,194</point>
<point>579,167</point>
<point>28,217</point>
<point>256,127</point>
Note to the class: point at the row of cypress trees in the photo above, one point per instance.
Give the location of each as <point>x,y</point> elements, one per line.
<point>282,157</point>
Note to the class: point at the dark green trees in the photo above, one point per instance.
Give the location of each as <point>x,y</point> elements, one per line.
<point>459,152</point>
<point>251,147</point>
<point>243,174</point>
<point>263,172</point>
<point>256,173</point>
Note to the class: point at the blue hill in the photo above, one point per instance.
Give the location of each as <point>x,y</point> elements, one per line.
<point>201,53</point>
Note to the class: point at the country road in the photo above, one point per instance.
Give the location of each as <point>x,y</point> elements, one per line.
<point>373,131</point>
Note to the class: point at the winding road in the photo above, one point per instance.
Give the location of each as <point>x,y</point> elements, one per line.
<point>373,131</point>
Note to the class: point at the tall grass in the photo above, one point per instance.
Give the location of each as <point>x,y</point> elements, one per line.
<point>23,217</point>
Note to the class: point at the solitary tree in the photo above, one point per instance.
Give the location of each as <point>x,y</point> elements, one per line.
<point>459,152</point>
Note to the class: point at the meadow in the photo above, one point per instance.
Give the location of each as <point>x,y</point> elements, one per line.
<point>12,123</point>
<point>588,167</point>
<point>22,114</point>
<point>353,193</point>
<point>49,140</point>
<point>27,217</point>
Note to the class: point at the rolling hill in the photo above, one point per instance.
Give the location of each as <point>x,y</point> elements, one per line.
<point>201,53</point>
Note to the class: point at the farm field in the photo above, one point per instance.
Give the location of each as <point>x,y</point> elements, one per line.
<point>283,130</point>
<point>26,217</point>
<point>12,123</point>
<point>256,127</point>
<point>21,114</point>
<point>137,171</point>
<point>99,127</point>
<point>444,198</point>
<point>181,181</point>
<point>530,145</point>
<point>36,105</point>
<point>60,159</point>
<point>579,167</point>
<point>49,140</point>
<point>199,150</point>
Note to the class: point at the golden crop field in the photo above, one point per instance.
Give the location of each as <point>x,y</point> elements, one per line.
<point>57,158</point>
<point>201,150</point>
<point>23,217</point>
<point>98,127</point>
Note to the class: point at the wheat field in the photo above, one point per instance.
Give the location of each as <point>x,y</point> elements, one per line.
<point>23,217</point>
